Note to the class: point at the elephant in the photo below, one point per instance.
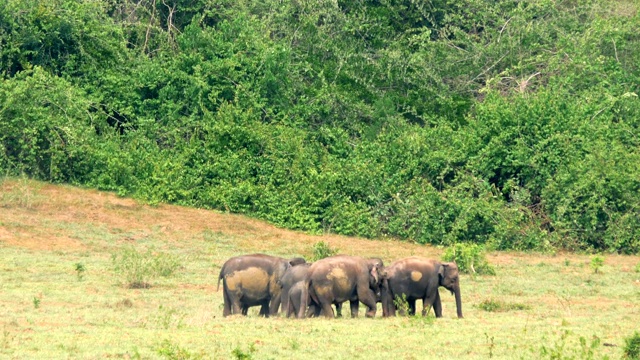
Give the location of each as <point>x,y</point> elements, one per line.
<point>292,283</point>
<point>341,278</point>
<point>252,280</point>
<point>291,277</point>
<point>415,278</point>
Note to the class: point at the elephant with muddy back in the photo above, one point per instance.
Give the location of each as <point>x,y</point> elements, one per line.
<point>253,280</point>
<point>416,278</point>
<point>341,278</point>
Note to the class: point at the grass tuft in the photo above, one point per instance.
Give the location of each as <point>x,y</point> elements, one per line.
<point>171,351</point>
<point>632,347</point>
<point>491,305</point>
<point>140,269</point>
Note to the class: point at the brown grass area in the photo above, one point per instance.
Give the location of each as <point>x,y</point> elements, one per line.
<point>27,226</point>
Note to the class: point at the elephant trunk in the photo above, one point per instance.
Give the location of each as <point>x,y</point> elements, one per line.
<point>456,292</point>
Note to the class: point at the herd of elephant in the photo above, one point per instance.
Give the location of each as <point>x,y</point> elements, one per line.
<point>306,289</point>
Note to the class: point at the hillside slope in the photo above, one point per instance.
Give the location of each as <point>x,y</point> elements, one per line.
<point>62,297</point>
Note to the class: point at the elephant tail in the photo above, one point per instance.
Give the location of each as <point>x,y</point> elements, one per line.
<point>220,278</point>
<point>304,298</point>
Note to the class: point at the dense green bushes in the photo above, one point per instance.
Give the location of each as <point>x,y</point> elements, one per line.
<point>513,125</point>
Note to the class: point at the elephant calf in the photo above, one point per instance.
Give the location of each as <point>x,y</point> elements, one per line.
<point>292,283</point>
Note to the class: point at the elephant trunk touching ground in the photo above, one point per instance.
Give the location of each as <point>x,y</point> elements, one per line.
<point>456,293</point>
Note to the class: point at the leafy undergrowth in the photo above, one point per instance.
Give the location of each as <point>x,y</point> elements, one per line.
<point>61,296</point>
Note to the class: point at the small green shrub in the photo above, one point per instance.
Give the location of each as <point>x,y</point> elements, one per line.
<point>637,268</point>
<point>470,259</point>
<point>596,263</point>
<point>36,302</point>
<point>491,305</point>
<point>632,346</point>
<point>239,354</point>
<point>139,269</point>
<point>168,350</point>
<point>322,250</point>
<point>80,269</point>
<point>401,304</point>
<point>566,349</point>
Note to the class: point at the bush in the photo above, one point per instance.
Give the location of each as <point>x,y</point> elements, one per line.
<point>491,305</point>
<point>322,250</point>
<point>139,269</point>
<point>596,263</point>
<point>470,259</point>
<point>632,346</point>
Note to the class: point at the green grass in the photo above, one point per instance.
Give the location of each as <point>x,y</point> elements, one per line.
<point>555,308</point>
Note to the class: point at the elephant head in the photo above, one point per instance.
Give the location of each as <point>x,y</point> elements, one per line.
<point>449,278</point>
<point>376,274</point>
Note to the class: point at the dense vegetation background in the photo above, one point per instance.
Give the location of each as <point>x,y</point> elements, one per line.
<point>506,123</point>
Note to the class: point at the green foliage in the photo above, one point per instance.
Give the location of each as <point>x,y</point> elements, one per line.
<point>46,129</point>
<point>637,268</point>
<point>401,303</point>
<point>470,259</point>
<point>563,349</point>
<point>632,346</point>
<point>322,250</point>
<point>492,305</point>
<point>138,269</point>
<point>239,354</point>
<point>596,263</point>
<point>171,351</point>
<point>498,123</point>
<point>80,270</point>
<point>36,302</point>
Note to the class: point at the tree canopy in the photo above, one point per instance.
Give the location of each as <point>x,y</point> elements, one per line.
<point>506,123</point>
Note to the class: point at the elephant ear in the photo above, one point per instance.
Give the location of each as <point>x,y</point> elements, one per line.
<point>442,270</point>
<point>374,273</point>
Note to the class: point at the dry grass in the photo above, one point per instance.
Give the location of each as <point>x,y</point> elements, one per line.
<point>46,230</point>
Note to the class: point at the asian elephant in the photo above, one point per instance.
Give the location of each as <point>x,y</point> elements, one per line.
<point>292,283</point>
<point>291,277</point>
<point>252,280</point>
<point>415,278</point>
<point>341,278</point>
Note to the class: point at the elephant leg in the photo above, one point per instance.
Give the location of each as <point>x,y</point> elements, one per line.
<point>368,298</point>
<point>274,304</point>
<point>227,302</point>
<point>291,307</point>
<point>354,304</point>
<point>284,300</point>
<point>237,307</point>
<point>327,309</point>
<point>314,311</point>
<point>429,301</point>
<point>437,305</point>
<point>412,307</point>
<point>264,308</point>
<point>392,310</point>
<point>338,309</point>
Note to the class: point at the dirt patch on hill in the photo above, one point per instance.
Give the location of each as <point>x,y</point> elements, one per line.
<point>44,217</point>
<point>47,217</point>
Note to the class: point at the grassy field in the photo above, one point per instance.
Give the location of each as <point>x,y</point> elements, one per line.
<point>60,296</point>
